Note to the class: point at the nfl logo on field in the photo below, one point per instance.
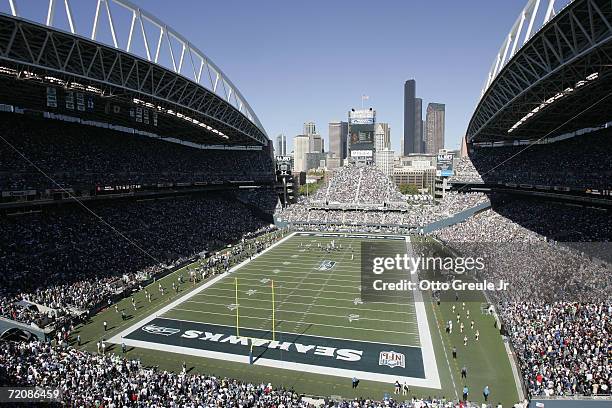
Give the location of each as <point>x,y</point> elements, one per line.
<point>392,359</point>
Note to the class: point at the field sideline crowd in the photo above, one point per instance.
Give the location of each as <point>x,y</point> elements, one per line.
<point>557,311</point>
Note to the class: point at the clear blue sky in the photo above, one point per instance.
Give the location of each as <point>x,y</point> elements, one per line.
<point>296,61</point>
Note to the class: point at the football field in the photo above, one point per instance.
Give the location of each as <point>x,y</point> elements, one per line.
<point>298,305</point>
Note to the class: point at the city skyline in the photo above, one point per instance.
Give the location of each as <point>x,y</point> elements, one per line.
<point>264,57</point>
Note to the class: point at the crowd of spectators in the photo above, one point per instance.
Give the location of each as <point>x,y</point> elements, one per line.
<point>263,198</point>
<point>66,256</point>
<point>86,157</point>
<point>581,162</point>
<point>414,214</point>
<point>86,379</point>
<point>357,185</point>
<point>557,310</point>
<point>465,172</point>
<point>366,196</point>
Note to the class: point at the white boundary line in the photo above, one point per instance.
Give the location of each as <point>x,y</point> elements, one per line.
<point>430,364</point>
<point>339,372</point>
<point>431,380</point>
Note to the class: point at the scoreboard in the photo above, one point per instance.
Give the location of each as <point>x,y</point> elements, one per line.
<point>284,165</point>
<point>444,165</point>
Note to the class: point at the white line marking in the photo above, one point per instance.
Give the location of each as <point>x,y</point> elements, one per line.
<point>301,334</point>
<point>353,293</point>
<point>402,312</point>
<point>294,321</point>
<point>242,306</point>
<point>450,371</point>
<point>429,357</point>
<point>351,299</point>
<point>339,372</point>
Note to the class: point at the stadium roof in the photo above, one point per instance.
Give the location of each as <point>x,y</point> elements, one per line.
<point>173,74</point>
<point>559,81</point>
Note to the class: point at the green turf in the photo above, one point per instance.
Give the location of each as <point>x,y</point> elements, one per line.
<point>308,300</point>
<point>320,307</point>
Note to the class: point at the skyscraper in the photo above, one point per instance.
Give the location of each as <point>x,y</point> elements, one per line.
<point>418,125</point>
<point>382,136</point>
<point>338,134</point>
<point>315,142</point>
<point>301,146</point>
<point>423,134</point>
<point>464,150</point>
<point>281,145</point>
<point>409,117</point>
<point>310,128</point>
<point>434,140</point>
<point>384,161</point>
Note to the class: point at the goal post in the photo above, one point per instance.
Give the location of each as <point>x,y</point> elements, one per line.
<point>273,314</point>
<point>237,310</point>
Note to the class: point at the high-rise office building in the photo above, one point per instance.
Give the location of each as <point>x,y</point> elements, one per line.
<point>301,146</point>
<point>384,161</point>
<point>423,134</point>
<point>434,140</point>
<point>310,128</point>
<point>338,134</point>
<point>382,136</point>
<point>316,143</point>
<point>418,123</point>
<point>409,116</point>
<point>464,149</point>
<point>281,145</point>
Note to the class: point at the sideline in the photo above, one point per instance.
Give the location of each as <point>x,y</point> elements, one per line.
<point>429,356</point>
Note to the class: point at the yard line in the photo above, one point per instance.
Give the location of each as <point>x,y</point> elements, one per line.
<point>293,321</point>
<point>314,300</point>
<point>297,272</point>
<point>404,312</point>
<point>271,274</point>
<point>314,314</point>
<point>356,293</point>
<point>307,297</point>
<point>306,275</point>
<point>300,283</point>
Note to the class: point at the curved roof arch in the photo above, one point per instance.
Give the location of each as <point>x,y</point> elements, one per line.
<point>562,70</point>
<point>125,26</point>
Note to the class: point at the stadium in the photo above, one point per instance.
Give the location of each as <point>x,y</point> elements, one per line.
<point>152,255</point>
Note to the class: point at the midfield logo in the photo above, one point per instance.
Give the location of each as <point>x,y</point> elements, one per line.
<point>392,359</point>
<point>163,331</point>
<point>326,265</point>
